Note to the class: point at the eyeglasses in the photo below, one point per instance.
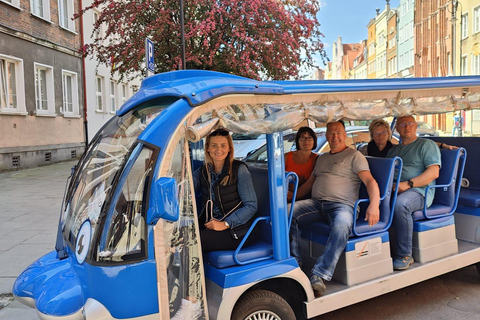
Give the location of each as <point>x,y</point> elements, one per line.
<point>403,125</point>
<point>219,132</point>
<point>378,134</point>
<point>305,139</point>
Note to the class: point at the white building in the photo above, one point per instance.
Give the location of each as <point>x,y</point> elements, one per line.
<point>104,92</point>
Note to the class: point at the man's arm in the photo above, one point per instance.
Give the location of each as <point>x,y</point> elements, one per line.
<point>373,212</point>
<point>431,173</point>
<point>305,188</point>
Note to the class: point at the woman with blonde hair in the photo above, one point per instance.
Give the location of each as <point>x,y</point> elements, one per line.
<point>380,134</point>
<point>228,197</point>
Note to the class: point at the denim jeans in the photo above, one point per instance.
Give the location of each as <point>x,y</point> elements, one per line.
<point>339,216</point>
<point>407,203</point>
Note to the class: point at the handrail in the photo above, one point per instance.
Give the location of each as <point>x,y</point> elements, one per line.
<point>240,246</point>
<point>291,177</point>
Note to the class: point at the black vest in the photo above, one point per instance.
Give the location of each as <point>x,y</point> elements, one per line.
<point>226,197</point>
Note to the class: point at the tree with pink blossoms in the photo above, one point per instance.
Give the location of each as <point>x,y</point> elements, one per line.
<point>260,39</point>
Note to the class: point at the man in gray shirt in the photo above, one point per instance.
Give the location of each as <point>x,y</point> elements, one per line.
<point>334,185</point>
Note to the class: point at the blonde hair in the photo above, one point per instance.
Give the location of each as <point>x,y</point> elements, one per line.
<point>220,132</point>
<point>377,123</point>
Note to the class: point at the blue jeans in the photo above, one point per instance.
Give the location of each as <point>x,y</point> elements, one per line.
<point>407,203</point>
<point>339,217</point>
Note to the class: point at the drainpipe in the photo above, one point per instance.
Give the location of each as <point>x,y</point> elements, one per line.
<point>82,43</point>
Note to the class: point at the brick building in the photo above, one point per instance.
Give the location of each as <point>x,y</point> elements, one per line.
<point>41,91</point>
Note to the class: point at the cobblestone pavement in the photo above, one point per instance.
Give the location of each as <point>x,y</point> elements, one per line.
<point>30,202</point>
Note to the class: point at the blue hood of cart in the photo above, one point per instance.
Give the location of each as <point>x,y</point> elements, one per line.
<point>52,284</point>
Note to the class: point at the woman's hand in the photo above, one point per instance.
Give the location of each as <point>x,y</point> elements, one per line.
<point>216,225</point>
<point>289,196</point>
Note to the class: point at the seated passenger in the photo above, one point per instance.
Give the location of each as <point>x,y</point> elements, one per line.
<point>302,160</point>
<point>334,185</point>
<point>380,143</point>
<point>421,166</point>
<point>228,201</point>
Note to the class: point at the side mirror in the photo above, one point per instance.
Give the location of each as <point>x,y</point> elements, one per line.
<point>163,201</point>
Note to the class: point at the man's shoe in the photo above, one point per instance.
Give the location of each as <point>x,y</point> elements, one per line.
<point>402,264</point>
<point>317,284</point>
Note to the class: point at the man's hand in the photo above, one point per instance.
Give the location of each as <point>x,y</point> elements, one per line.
<point>216,225</point>
<point>402,186</point>
<point>373,214</point>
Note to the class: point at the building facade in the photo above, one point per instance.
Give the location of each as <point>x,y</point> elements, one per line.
<point>392,71</point>
<point>381,42</point>
<point>405,37</point>
<point>105,93</point>
<point>41,106</point>
<point>371,43</point>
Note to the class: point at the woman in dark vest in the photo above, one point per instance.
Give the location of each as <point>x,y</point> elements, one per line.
<point>228,200</point>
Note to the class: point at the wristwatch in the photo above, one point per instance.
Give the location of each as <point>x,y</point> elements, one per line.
<point>226,224</point>
<point>410,183</point>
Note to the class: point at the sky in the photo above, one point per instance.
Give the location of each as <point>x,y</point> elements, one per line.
<point>348,19</point>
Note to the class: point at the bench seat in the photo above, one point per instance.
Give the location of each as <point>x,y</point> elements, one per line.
<point>224,259</point>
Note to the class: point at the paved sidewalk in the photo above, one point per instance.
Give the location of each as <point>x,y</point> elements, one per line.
<point>30,202</point>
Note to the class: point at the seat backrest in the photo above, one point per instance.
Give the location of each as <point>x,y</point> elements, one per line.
<point>447,185</point>
<point>260,183</point>
<point>384,171</point>
<point>447,176</point>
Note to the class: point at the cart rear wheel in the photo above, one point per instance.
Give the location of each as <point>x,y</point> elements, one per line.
<point>262,305</point>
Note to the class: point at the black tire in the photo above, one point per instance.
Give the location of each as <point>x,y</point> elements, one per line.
<point>262,305</point>
<point>478,267</point>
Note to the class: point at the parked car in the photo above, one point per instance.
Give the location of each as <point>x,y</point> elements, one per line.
<point>357,136</point>
<point>245,143</point>
<point>426,130</point>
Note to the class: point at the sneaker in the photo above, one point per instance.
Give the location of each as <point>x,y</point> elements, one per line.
<point>402,264</point>
<point>317,284</point>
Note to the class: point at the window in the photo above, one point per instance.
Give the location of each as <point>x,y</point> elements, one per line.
<point>40,8</point>
<point>464,25</point>
<point>124,93</point>
<point>65,14</point>
<point>99,32</point>
<point>476,64</point>
<point>476,20</point>
<point>15,3</point>
<point>70,93</point>
<point>113,92</point>
<point>127,234</point>
<point>99,93</point>
<point>463,66</point>
<point>12,92</point>
<point>44,92</point>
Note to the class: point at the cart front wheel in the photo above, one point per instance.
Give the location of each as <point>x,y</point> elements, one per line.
<point>262,305</point>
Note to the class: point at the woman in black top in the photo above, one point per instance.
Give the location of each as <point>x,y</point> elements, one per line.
<point>228,199</point>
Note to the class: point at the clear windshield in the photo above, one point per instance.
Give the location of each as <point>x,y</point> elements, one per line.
<point>105,156</point>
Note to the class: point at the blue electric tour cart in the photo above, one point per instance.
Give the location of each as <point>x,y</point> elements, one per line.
<point>128,241</point>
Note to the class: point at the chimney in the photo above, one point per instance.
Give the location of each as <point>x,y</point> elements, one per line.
<point>387,7</point>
